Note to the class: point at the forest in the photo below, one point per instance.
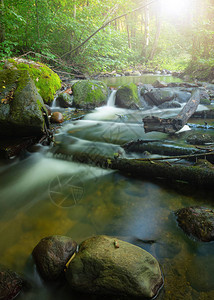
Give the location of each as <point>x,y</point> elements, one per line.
<point>106,149</point>
<point>152,34</point>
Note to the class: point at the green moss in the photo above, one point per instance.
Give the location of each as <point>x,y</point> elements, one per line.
<point>46,81</point>
<point>89,92</point>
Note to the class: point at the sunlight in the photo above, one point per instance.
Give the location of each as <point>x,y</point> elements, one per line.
<point>175,7</point>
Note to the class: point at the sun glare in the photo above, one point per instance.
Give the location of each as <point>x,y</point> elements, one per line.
<point>175,7</point>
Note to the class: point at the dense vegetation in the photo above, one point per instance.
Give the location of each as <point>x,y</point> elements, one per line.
<point>153,36</point>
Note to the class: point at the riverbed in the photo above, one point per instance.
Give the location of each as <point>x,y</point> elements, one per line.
<point>45,193</point>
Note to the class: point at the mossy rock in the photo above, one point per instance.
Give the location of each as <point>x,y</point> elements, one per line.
<point>89,94</point>
<point>64,100</point>
<point>108,266</point>
<point>46,81</point>
<point>127,95</point>
<point>21,106</point>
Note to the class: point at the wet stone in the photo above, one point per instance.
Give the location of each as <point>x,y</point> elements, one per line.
<point>10,284</point>
<point>197,222</point>
<point>51,255</point>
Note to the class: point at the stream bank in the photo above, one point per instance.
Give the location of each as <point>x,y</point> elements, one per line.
<point>106,202</point>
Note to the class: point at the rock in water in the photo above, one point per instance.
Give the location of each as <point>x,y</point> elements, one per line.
<point>197,222</point>
<point>10,284</point>
<point>105,265</point>
<point>57,117</point>
<point>127,96</point>
<point>51,255</point>
<point>21,106</point>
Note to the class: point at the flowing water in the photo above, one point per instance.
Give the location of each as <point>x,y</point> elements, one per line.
<point>45,193</point>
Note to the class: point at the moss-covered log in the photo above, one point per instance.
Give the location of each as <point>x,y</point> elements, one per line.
<point>158,147</point>
<point>171,125</point>
<point>148,169</point>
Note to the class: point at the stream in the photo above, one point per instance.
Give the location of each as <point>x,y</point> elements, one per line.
<point>44,193</point>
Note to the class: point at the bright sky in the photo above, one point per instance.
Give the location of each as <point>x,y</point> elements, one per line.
<point>175,7</point>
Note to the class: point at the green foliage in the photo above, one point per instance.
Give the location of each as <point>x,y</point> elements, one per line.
<point>55,27</point>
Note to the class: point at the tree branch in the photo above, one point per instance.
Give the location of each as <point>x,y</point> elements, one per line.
<point>105,24</point>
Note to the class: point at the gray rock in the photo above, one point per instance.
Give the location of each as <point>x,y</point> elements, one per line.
<point>11,284</point>
<point>158,96</point>
<point>159,84</point>
<point>199,138</point>
<point>135,73</point>
<point>171,104</point>
<point>51,255</point>
<point>64,100</point>
<point>197,222</point>
<point>182,97</point>
<point>21,106</point>
<point>105,265</point>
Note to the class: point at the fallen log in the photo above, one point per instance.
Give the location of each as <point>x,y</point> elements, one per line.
<point>171,125</point>
<point>149,169</point>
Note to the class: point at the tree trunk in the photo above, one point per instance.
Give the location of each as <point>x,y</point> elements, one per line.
<point>157,35</point>
<point>146,31</point>
<point>171,125</point>
<point>149,169</point>
<point>128,33</point>
<point>2,27</point>
<point>37,19</point>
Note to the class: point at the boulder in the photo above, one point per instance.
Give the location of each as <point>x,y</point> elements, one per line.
<point>64,100</point>
<point>199,138</point>
<point>197,222</point>
<point>146,88</point>
<point>21,106</point>
<point>159,84</point>
<point>47,82</point>
<point>105,265</point>
<point>158,96</point>
<point>127,95</point>
<point>51,255</point>
<point>170,104</point>
<point>182,96</point>
<point>135,73</point>
<point>89,94</point>
<point>57,117</point>
<point>11,284</point>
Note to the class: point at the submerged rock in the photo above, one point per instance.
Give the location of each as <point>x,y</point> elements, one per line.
<point>105,265</point>
<point>197,222</point>
<point>159,84</point>
<point>57,117</point>
<point>199,139</point>
<point>127,96</point>
<point>11,284</point>
<point>21,106</point>
<point>51,255</point>
<point>170,104</point>
<point>89,94</point>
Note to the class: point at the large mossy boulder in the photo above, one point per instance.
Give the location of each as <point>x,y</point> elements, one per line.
<point>51,255</point>
<point>46,81</point>
<point>105,265</point>
<point>89,94</point>
<point>197,222</point>
<point>127,96</point>
<point>21,106</point>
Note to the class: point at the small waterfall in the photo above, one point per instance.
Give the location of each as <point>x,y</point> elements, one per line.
<point>54,103</point>
<point>111,99</point>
